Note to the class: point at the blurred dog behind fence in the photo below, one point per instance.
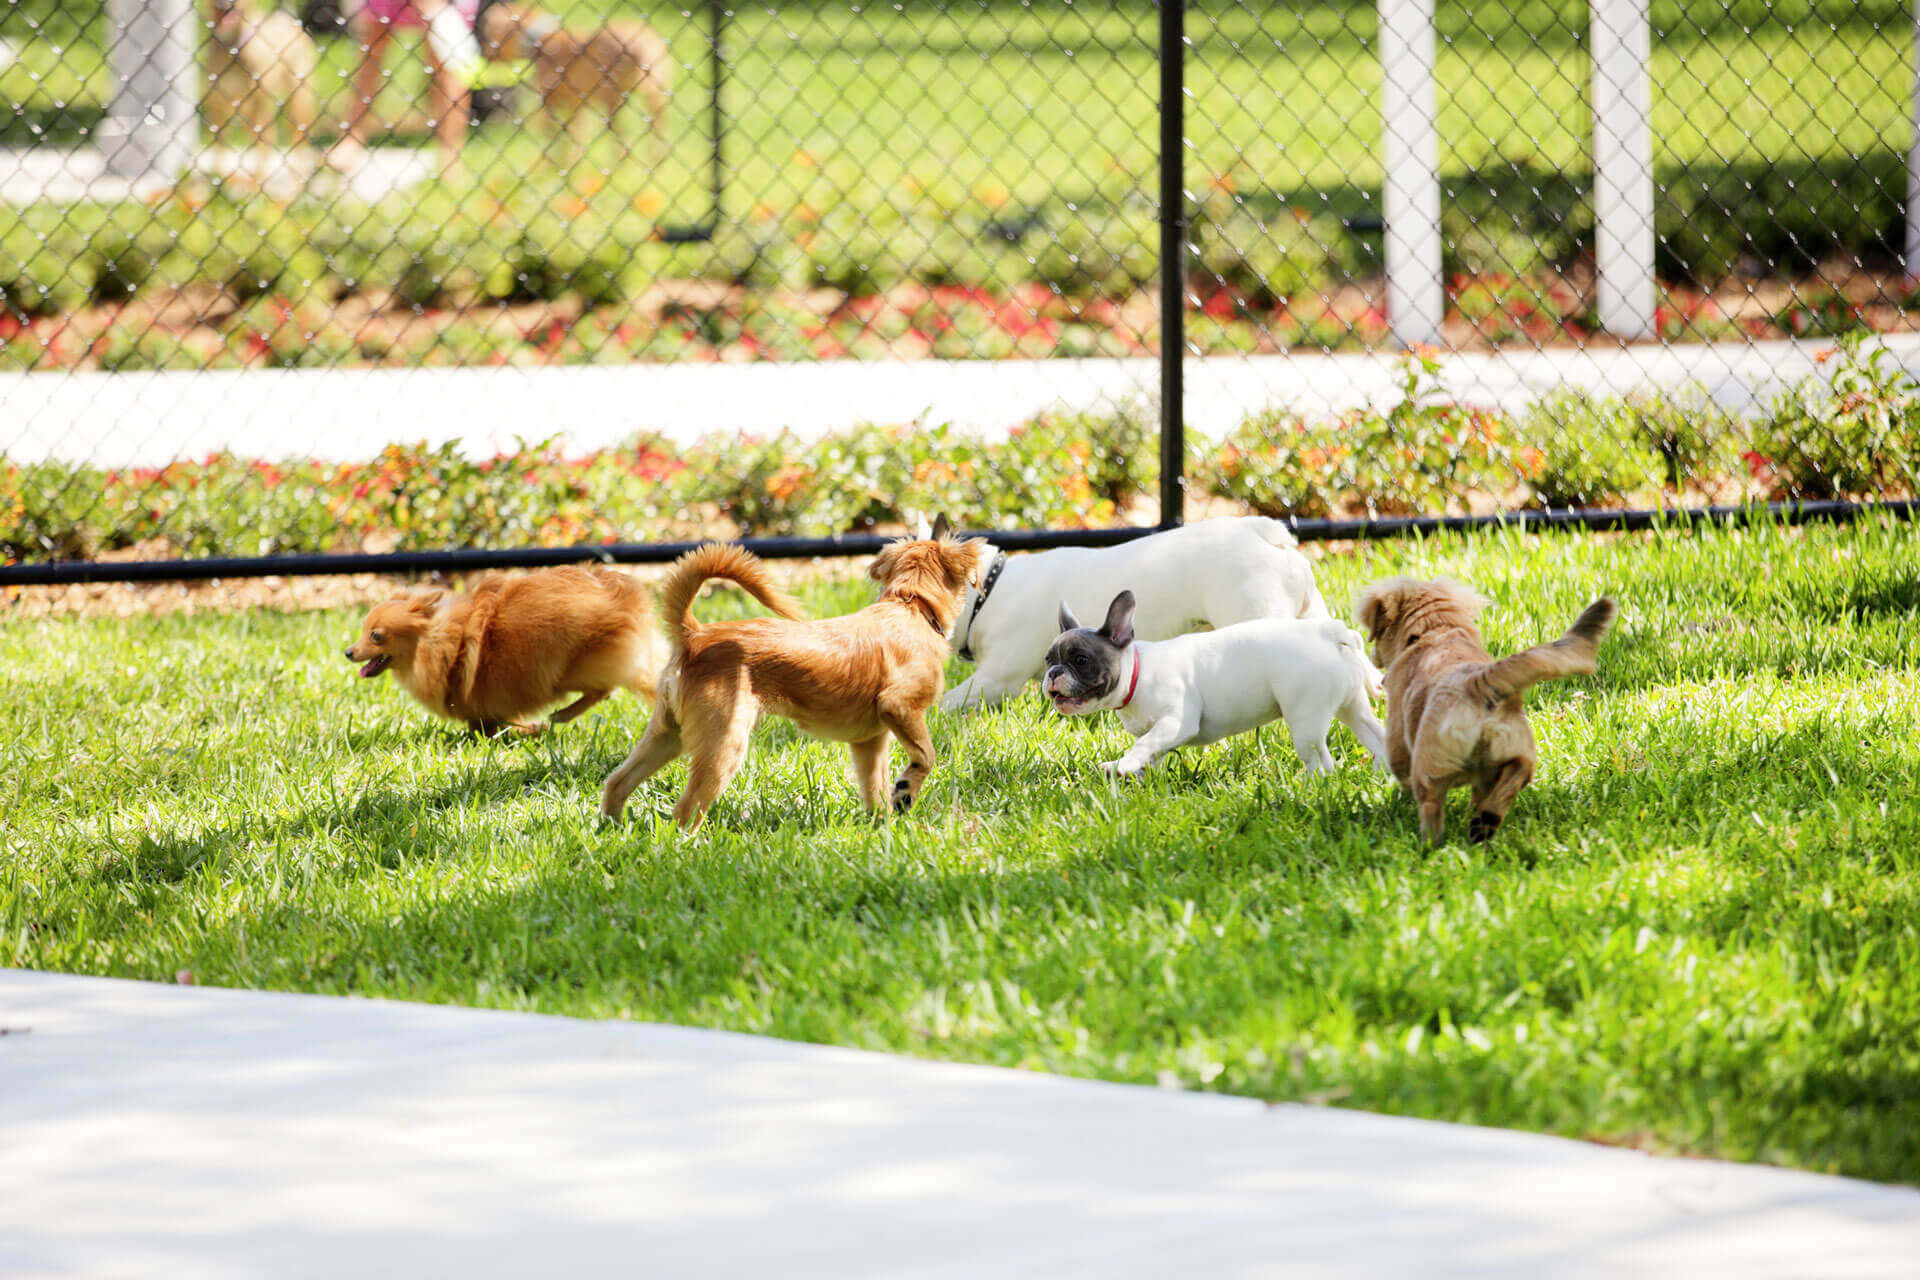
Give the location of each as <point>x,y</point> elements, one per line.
<point>623,61</point>
<point>260,65</point>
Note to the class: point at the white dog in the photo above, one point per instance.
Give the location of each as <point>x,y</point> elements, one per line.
<point>1211,574</point>
<point>1204,687</point>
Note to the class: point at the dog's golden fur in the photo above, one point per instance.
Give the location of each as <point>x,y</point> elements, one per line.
<point>1454,713</point>
<point>515,644</point>
<point>621,61</point>
<point>260,63</point>
<point>861,679</point>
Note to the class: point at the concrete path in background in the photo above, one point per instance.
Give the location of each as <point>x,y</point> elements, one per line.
<point>175,1131</point>
<point>150,419</point>
<point>53,175</point>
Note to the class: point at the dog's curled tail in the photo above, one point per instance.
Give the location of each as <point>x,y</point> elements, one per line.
<point>1573,654</point>
<point>715,560</point>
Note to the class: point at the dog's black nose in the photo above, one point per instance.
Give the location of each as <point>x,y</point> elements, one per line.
<point>347,653</point>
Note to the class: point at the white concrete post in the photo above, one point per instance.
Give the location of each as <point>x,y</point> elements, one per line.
<point>1416,294</point>
<point>152,125</point>
<point>1913,160</point>
<point>1623,167</point>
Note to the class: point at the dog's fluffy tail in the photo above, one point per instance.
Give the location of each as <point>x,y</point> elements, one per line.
<point>715,560</point>
<point>1573,654</point>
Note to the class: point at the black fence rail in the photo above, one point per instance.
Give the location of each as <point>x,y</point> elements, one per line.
<point>435,283</point>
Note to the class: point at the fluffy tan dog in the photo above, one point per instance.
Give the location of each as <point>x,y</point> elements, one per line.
<point>514,645</point>
<point>857,679</point>
<point>605,67</point>
<point>1454,713</point>
<point>259,60</point>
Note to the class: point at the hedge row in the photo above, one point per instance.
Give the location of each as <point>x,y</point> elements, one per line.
<point>1855,433</point>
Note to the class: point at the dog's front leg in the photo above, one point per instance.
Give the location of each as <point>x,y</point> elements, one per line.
<point>870,771</point>
<point>909,724</point>
<point>1162,736</point>
<point>981,690</point>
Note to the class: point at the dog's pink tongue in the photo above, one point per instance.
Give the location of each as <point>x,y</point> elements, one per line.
<point>372,669</point>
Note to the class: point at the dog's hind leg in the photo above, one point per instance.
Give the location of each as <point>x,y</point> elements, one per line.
<point>1310,743</point>
<point>870,770</point>
<point>717,746</point>
<point>1357,714</point>
<point>579,706</point>
<point>1431,796</point>
<point>1494,794</point>
<point>657,747</point>
<point>909,724</point>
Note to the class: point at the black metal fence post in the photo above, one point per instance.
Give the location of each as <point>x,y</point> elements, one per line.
<point>1173,259</point>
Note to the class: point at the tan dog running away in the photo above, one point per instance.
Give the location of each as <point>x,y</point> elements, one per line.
<point>259,61</point>
<point>858,679</point>
<point>623,61</point>
<point>515,644</point>
<point>1454,713</point>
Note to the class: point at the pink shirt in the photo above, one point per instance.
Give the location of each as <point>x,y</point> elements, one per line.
<point>406,14</point>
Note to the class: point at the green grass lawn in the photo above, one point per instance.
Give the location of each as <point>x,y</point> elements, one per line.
<point>1700,930</point>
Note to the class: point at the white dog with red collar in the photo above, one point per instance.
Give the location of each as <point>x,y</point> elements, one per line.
<point>1213,684</point>
<point>1211,574</point>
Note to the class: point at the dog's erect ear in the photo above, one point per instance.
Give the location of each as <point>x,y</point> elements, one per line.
<point>1119,624</point>
<point>941,529</point>
<point>921,530</point>
<point>427,599</point>
<point>1067,621</point>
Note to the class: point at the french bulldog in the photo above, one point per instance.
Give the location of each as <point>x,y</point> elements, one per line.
<point>1211,574</point>
<point>1213,684</point>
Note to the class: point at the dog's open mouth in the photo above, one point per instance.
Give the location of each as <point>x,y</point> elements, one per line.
<point>374,666</point>
<point>1068,706</point>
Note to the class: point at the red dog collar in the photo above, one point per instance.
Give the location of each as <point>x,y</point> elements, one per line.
<point>1133,683</point>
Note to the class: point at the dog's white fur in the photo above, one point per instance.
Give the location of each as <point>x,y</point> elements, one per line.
<point>1211,574</point>
<point>1211,685</point>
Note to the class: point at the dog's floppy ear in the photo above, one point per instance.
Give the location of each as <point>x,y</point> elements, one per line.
<point>1067,621</point>
<point>882,567</point>
<point>941,529</point>
<point>1119,624</point>
<point>1366,609</point>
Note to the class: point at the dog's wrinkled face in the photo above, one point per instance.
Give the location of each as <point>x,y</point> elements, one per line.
<point>1397,612</point>
<point>1085,664</point>
<point>392,631</point>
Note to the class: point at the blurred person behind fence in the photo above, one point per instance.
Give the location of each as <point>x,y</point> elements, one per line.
<point>453,57</point>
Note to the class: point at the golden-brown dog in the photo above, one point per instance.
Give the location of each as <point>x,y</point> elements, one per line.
<point>259,60</point>
<point>1454,713</point>
<point>858,679</point>
<point>607,67</point>
<point>515,644</point>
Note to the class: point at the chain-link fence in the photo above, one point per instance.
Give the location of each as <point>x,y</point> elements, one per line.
<point>400,276</point>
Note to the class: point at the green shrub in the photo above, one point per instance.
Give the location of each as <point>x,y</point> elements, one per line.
<point>1855,435</point>
<point>1581,450</point>
<point>1418,456</point>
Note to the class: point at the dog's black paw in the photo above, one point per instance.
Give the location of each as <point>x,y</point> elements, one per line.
<point>1481,828</point>
<point>902,796</point>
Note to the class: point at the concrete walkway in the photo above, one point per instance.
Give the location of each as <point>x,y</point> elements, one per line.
<point>53,175</point>
<point>150,419</point>
<point>160,1131</point>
